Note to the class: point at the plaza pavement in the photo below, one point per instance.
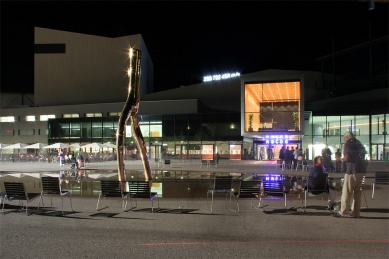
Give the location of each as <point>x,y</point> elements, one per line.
<point>183,229</point>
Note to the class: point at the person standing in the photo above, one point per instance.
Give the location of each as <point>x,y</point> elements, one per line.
<point>326,154</point>
<point>338,162</point>
<point>295,157</point>
<point>282,155</point>
<point>287,158</point>
<point>61,158</point>
<point>354,168</point>
<point>217,158</point>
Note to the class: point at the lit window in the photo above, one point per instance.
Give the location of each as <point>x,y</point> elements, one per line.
<point>30,118</point>
<point>43,132</point>
<point>46,117</point>
<point>97,114</point>
<point>7,119</point>
<point>114,113</point>
<point>26,132</point>
<point>71,115</point>
<point>7,132</point>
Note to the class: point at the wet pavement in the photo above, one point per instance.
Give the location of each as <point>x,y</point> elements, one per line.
<point>182,228</point>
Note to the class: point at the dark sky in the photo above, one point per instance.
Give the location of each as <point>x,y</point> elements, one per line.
<point>188,40</point>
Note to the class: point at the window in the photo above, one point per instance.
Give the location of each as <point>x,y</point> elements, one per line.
<point>46,117</point>
<point>71,115</point>
<point>7,119</point>
<point>273,106</point>
<point>7,132</point>
<point>114,113</point>
<point>96,114</point>
<point>43,132</point>
<point>30,118</point>
<point>26,132</point>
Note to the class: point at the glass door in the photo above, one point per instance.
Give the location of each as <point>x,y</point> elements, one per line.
<point>236,152</point>
<point>181,152</point>
<point>377,152</point>
<point>155,152</point>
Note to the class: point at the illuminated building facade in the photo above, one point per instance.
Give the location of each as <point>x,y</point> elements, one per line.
<point>239,116</point>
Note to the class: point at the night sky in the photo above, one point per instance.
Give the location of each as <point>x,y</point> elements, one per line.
<point>189,40</point>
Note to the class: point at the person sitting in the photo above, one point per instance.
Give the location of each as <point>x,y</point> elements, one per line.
<point>317,173</point>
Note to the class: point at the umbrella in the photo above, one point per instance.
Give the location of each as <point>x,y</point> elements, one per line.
<point>93,145</point>
<point>109,145</point>
<point>3,145</point>
<point>15,146</point>
<point>36,146</point>
<point>57,145</point>
<point>75,145</point>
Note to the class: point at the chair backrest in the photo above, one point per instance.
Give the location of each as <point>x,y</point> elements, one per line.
<point>381,178</point>
<point>317,185</point>
<point>139,189</point>
<point>273,188</point>
<point>110,188</point>
<point>50,185</point>
<point>15,191</point>
<point>222,183</point>
<point>250,189</point>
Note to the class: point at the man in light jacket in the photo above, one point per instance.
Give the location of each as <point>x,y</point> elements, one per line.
<point>354,169</point>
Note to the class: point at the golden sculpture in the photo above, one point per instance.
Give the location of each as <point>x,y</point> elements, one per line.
<point>130,111</point>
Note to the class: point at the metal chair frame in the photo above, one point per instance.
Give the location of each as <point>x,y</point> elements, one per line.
<point>247,189</point>
<point>52,186</point>
<point>221,184</point>
<point>141,189</point>
<point>112,189</point>
<point>323,188</point>
<point>380,178</point>
<point>17,191</point>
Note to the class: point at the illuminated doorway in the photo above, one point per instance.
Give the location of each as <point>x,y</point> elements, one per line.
<point>235,152</point>
<point>207,152</point>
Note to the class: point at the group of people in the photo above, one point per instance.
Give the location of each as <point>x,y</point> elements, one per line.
<point>70,158</point>
<point>354,167</point>
<point>290,157</point>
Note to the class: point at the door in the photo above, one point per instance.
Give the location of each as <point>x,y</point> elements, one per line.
<point>155,152</point>
<point>236,152</point>
<point>377,152</point>
<point>181,152</point>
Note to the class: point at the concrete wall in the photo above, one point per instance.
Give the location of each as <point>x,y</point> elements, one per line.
<point>92,70</point>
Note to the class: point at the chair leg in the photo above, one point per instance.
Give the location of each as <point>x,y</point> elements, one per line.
<point>364,196</point>
<point>97,206</point>
<point>2,210</point>
<point>70,198</point>
<point>41,199</point>
<point>372,190</point>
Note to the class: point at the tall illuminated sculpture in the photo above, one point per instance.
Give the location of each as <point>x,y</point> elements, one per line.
<point>130,111</point>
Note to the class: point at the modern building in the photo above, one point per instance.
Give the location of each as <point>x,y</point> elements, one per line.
<point>239,116</point>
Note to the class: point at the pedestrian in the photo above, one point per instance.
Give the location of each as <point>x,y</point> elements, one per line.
<point>295,157</point>
<point>338,162</point>
<point>217,158</point>
<point>354,167</point>
<point>61,158</point>
<point>282,155</point>
<point>288,158</point>
<point>326,154</point>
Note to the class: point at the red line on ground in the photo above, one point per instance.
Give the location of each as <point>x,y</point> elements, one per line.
<point>265,242</point>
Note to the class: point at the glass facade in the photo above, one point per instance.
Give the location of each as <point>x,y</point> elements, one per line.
<point>371,130</point>
<point>272,106</point>
<point>184,136</point>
